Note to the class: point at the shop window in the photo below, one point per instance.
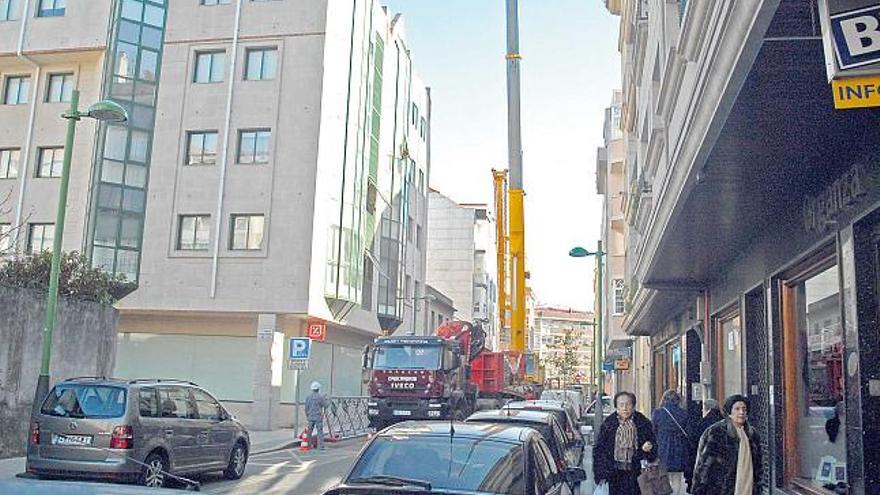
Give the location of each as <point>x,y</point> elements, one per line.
<point>813,345</point>
<point>728,354</point>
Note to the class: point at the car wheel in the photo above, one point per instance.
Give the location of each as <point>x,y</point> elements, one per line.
<point>154,471</point>
<point>237,462</point>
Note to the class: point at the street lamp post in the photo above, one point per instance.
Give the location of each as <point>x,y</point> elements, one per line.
<point>106,111</point>
<point>579,252</point>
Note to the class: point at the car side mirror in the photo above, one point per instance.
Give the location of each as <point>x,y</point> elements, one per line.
<point>575,475</point>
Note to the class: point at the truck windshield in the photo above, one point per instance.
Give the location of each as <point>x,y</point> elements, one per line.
<point>407,357</point>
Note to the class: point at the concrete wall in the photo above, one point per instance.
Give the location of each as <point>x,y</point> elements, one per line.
<point>84,344</point>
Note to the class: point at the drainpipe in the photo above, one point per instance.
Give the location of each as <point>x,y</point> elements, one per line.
<point>28,142</point>
<point>224,157</point>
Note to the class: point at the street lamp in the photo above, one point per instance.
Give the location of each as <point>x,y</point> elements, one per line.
<point>102,111</point>
<point>579,252</point>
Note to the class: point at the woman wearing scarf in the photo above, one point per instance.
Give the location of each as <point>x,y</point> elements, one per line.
<point>729,456</point>
<point>625,438</point>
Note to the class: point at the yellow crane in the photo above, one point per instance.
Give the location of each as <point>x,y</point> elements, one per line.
<point>501,241</point>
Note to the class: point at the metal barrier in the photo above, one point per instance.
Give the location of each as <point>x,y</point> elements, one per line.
<point>347,416</point>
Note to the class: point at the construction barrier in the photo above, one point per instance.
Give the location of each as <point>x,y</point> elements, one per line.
<point>346,418</point>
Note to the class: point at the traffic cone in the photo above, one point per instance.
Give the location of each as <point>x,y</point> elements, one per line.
<point>304,442</point>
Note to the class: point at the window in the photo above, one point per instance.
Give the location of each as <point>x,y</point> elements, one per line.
<point>8,10</point>
<point>421,181</point>
<point>206,406</point>
<point>247,232</point>
<point>407,291</point>
<point>194,232</point>
<point>253,146</point>
<point>148,403</point>
<point>201,148</point>
<point>40,237</point>
<point>409,229</point>
<point>422,122</point>
<point>174,402</point>
<point>16,92</point>
<point>261,64</point>
<point>9,163</point>
<point>371,197</point>
<point>415,114</point>
<point>209,67</point>
<point>51,8</point>
<point>418,237</point>
<point>619,296</point>
<point>60,88</point>
<point>5,237</point>
<point>215,2</point>
<point>728,353</point>
<point>51,161</point>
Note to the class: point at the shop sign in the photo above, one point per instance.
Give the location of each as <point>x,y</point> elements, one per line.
<point>823,209</point>
<point>851,41</point>
<point>621,364</point>
<point>317,329</point>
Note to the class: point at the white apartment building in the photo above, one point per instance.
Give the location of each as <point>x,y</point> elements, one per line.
<point>461,260</point>
<point>551,326</point>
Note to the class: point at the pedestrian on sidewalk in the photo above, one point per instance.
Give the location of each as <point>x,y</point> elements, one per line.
<point>625,438</point>
<point>711,415</point>
<point>729,456</point>
<point>315,406</point>
<point>672,439</point>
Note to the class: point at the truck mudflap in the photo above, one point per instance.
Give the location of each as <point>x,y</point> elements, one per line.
<point>388,411</point>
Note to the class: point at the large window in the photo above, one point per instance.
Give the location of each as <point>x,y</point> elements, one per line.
<point>619,298</point>
<point>209,67</point>
<point>262,63</point>
<point>247,232</point>
<point>40,237</point>
<point>813,374</point>
<point>16,90</point>
<point>50,8</point>
<point>60,88</point>
<point>9,163</point>
<point>728,354</point>
<point>201,148</point>
<point>9,10</point>
<point>253,146</point>
<point>194,232</point>
<point>51,161</point>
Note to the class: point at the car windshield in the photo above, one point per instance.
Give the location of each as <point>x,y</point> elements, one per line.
<point>72,400</point>
<point>458,464</point>
<point>407,357</point>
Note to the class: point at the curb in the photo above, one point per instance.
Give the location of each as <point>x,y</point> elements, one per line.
<point>293,444</point>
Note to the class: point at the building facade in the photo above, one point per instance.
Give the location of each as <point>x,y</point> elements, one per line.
<point>752,253</point>
<point>287,148</point>
<point>563,332</point>
<point>461,260</point>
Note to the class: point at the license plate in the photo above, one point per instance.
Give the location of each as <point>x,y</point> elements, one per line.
<point>74,440</point>
<point>402,413</point>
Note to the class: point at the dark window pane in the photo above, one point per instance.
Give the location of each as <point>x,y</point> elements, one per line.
<point>149,65</point>
<point>111,171</point>
<point>135,175</point>
<point>133,200</point>
<point>126,59</point>
<point>151,37</point>
<point>106,226</point>
<point>129,32</point>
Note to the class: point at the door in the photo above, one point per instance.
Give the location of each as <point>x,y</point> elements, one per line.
<point>547,478</point>
<point>220,434</point>
<point>179,426</point>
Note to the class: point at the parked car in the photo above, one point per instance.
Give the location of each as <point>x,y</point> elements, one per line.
<point>564,414</point>
<point>545,422</point>
<point>573,397</point>
<point>457,458</point>
<point>134,430</point>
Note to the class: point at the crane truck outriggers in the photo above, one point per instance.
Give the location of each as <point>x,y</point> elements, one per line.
<point>442,376</point>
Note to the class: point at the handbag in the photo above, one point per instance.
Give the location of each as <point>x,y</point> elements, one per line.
<point>654,480</point>
<point>601,489</point>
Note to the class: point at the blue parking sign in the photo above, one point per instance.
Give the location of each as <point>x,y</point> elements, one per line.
<point>856,36</point>
<point>300,348</point>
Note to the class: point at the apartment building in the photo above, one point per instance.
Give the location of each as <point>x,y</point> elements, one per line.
<point>753,208</point>
<point>287,166</point>
<point>561,331</point>
<point>461,260</point>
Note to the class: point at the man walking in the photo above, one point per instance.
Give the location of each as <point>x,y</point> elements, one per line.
<point>315,405</point>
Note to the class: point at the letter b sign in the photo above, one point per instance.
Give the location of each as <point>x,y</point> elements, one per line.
<point>857,37</point>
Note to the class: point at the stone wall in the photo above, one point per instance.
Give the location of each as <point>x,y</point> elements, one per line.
<point>84,345</point>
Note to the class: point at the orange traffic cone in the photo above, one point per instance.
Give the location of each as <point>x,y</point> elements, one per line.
<point>304,442</point>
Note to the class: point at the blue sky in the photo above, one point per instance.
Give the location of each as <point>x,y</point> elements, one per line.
<point>570,67</point>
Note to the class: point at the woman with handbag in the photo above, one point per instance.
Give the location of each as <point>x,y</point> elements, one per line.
<point>625,438</point>
<point>729,456</point>
<point>672,439</point>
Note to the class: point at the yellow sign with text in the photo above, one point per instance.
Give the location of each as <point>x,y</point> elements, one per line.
<point>856,92</point>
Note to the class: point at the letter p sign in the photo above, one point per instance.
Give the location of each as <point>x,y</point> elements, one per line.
<point>857,37</point>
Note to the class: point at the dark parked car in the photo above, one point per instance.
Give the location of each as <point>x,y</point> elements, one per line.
<point>543,421</point>
<point>134,430</point>
<point>565,416</point>
<point>458,458</point>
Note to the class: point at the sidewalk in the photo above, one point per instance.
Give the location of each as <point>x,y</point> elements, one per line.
<point>10,467</point>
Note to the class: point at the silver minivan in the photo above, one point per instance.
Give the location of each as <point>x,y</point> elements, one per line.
<point>134,430</point>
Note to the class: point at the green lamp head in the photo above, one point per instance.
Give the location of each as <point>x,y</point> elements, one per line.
<point>108,111</point>
<point>579,252</point>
